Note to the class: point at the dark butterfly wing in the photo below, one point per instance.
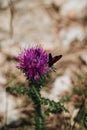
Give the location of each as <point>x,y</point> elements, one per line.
<point>54,59</point>
<point>50,56</point>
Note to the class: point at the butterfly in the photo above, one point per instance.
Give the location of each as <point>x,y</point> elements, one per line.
<point>54,59</point>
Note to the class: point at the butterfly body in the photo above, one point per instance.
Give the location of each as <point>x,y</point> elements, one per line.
<point>53,60</point>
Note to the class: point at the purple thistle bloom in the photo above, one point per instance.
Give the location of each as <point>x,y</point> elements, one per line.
<point>34,63</point>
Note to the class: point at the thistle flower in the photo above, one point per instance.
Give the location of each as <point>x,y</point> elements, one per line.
<point>34,63</point>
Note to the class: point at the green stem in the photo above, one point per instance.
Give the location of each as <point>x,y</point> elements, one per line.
<point>36,97</point>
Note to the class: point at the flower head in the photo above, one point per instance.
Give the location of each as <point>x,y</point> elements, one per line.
<point>33,62</point>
